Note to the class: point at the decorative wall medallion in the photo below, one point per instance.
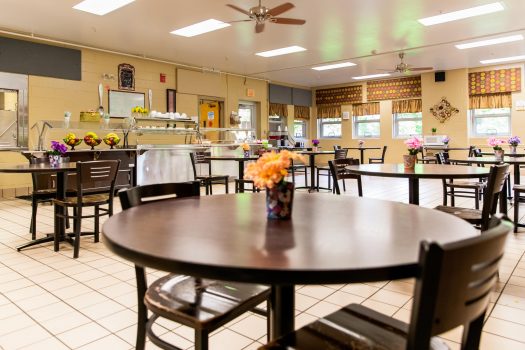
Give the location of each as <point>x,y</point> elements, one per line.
<point>443,110</point>
<point>126,77</point>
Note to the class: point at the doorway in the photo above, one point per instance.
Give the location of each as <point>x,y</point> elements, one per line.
<point>248,118</point>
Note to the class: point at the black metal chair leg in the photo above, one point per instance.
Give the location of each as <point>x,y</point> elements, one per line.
<point>97,223</point>
<point>516,211</point>
<point>142,315</point>
<point>359,186</point>
<point>201,339</point>
<point>226,184</point>
<point>32,227</point>
<point>78,225</point>
<point>476,200</point>
<point>472,334</point>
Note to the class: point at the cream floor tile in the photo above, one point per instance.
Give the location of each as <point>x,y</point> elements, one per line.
<point>87,299</point>
<point>509,314</point>
<point>47,344</point>
<point>58,283</point>
<point>252,326</point>
<point>65,322</point>
<point>110,342</point>
<point>50,311</point>
<point>303,319</point>
<point>383,308</point>
<point>322,309</point>
<point>227,340</point>
<point>360,289</point>
<point>303,302</point>
<point>317,292</point>
<point>9,310</point>
<point>37,301</point>
<point>389,297</point>
<point>493,342</point>
<point>24,337</point>
<point>119,320</point>
<point>6,287</point>
<point>117,290</point>
<point>512,301</point>
<point>83,335</point>
<point>24,293</point>
<point>15,323</point>
<point>102,309</point>
<point>343,299</point>
<point>505,329</point>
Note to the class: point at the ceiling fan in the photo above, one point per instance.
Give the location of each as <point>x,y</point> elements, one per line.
<point>262,14</point>
<point>403,67</point>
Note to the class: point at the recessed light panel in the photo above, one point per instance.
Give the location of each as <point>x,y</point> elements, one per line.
<point>462,14</point>
<point>206,26</point>
<point>101,7</point>
<point>282,51</point>
<point>371,76</point>
<point>504,59</point>
<point>335,66</point>
<point>488,42</point>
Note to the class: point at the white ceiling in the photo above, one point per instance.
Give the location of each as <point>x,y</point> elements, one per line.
<point>335,30</point>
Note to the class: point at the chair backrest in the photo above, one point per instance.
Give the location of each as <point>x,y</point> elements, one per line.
<point>340,153</point>
<point>495,183</point>
<point>476,152</point>
<point>337,167</point>
<point>97,176</point>
<point>42,181</point>
<point>200,158</point>
<point>471,151</point>
<point>139,195</point>
<point>442,158</point>
<point>336,147</point>
<point>384,153</point>
<point>454,284</point>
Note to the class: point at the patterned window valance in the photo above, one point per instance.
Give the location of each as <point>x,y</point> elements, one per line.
<point>339,96</point>
<point>494,81</point>
<point>365,109</point>
<point>393,89</point>
<point>301,112</point>
<point>407,106</point>
<point>503,100</point>
<point>278,109</point>
<point>324,112</point>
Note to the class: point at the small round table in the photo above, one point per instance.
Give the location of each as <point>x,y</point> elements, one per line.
<point>238,159</point>
<point>311,160</point>
<point>330,239</point>
<point>60,170</point>
<point>420,171</point>
<point>362,151</point>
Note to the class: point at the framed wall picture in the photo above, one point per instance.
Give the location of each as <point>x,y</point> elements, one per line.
<point>120,103</point>
<point>171,99</point>
<point>126,77</point>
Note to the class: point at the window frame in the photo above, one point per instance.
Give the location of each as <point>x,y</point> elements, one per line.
<point>473,118</point>
<point>304,124</point>
<point>329,121</point>
<point>356,122</point>
<point>395,125</point>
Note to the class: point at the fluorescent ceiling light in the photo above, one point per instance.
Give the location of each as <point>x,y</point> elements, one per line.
<point>101,7</point>
<point>282,51</point>
<point>334,66</point>
<point>505,39</point>
<point>457,15</point>
<point>371,76</point>
<point>504,59</point>
<point>206,26</point>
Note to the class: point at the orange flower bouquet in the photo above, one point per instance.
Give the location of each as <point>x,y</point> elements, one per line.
<point>270,172</point>
<point>246,149</point>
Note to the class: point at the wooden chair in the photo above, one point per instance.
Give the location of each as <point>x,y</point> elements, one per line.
<point>298,168</point>
<point>425,159</point>
<point>461,188</point>
<point>338,171</point>
<point>44,190</point>
<point>495,183</point>
<point>204,305</point>
<point>325,170</point>
<point>243,182</point>
<point>209,179</point>
<point>453,286</point>
<point>380,160</point>
<point>518,198</point>
<point>95,186</point>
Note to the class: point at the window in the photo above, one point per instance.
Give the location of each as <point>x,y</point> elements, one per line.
<point>490,122</point>
<point>366,126</point>
<point>329,128</point>
<point>408,124</point>
<point>299,129</point>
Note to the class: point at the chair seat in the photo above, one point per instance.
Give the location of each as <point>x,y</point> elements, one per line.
<point>471,215</point>
<point>518,188</point>
<point>182,299</point>
<point>353,328</point>
<point>467,184</point>
<point>208,177</point>
<point>89,200</point>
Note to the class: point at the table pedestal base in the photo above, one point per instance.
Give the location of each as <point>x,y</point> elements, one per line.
<point>281,311</point>
<point>413,190</point>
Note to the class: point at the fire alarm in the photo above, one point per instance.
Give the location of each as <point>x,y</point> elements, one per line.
<point>162,78</point>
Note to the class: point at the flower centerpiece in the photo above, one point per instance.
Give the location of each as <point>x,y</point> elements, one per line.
<point>445,140</point>
<point>514,141</point>
<point>414,146</point>
<point>270,172</point>
<point>361,143</point>
<point>315,144</point>
<point>246,149</point>
<point>57,151</point>
<point>139,112</point>
<point>496,143</point>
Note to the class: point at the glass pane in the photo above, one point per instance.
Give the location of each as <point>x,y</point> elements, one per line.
<point>409,127</point>
<point>492,126</point>
<point>8,118</point>
<point>330,130</point>
<point>299,129</point>
<point>408,115</point>
<point>489,111</point>
<point>368,129</point>
<point>368,117</point>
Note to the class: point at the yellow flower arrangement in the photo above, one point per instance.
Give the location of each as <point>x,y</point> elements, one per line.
<point>271,168</point>
<point>139,109</point>
<point>245,147</point>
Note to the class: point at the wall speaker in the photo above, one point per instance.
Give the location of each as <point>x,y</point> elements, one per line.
<point>439,76</point>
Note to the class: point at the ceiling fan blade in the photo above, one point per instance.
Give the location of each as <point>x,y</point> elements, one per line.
<point>241,20</point>
<point>239,9</point>
<point>259,27</point>
<point>418,69</point>
<point>276,11</point>
<point>281,20</point>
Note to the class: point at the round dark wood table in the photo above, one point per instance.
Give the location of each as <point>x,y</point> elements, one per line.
<point>240,160</point>
<point>60,170</point>
<point>420,171</point>
<point>311,160</point>
<point>362,151</point>
<point>330,239</point>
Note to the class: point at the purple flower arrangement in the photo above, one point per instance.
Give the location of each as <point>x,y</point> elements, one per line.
<point>514,141</point>
<point>57,149</point>
<point>445,140</point>
<point>315,142</point>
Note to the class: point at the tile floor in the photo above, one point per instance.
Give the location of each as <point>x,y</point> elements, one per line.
<point>50,301</point>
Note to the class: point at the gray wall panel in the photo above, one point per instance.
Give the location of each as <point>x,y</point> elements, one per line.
<point>301,97</point>
<point>280,94</point>
<point>24,57</point>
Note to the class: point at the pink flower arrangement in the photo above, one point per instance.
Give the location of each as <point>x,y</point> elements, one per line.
<point>361,143</point>
<point>495,143</point>
<point>413,144</point>
<point>271,168</point>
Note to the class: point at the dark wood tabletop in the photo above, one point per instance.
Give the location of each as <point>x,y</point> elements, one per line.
<point>363,148</point>
<point>330,239</point>
<point>443,148</point>
<point>316,152</point>
<point>236,158</point>
<point>489,160</point>
<point>428,171</point>
<point>36,168</point>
